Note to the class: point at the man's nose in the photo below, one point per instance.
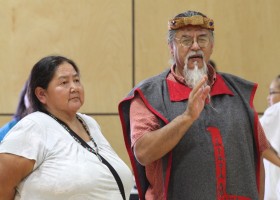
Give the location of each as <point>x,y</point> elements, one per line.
<point>195,46</point>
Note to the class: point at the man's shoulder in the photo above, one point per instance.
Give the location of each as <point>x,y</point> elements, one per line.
<point>154,79</point>
<point>150,83</point>
<point>235,78</point>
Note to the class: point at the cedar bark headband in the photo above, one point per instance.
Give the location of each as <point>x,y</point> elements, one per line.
<point>196,20</point>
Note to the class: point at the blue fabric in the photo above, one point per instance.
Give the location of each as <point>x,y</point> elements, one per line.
<point>5,129</point>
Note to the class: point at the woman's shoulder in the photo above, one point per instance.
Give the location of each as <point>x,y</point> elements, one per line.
<point>90,121</point>
<point>35,121</point>
<point>36,116</point>
<point>94,127</point>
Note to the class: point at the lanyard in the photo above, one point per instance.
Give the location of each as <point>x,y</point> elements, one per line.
<point>78,139</point>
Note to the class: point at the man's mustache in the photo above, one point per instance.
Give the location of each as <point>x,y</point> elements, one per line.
<point>194,54</point>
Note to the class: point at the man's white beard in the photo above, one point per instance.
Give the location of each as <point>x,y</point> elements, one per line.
<point>193,76</point>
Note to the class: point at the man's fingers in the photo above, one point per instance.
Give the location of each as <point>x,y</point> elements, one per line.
<point>199,85</point>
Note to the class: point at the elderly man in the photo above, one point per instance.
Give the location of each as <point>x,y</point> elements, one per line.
<point>191,132</point>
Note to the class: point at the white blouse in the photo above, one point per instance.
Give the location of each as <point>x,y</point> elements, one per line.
<point>64,169</point>
<point>270,122</point>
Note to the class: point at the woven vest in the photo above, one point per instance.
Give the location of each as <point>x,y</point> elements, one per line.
<point>218,156</point>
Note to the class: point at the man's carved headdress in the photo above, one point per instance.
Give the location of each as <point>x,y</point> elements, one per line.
<point>196,20</point>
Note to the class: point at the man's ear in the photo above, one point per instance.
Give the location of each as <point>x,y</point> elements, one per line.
<point>171,48</point>
<point>41,94</point>
<point>212,47</point>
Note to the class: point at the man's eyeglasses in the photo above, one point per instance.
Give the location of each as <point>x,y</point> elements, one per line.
<point>274,92</point>
<point>187,42</point>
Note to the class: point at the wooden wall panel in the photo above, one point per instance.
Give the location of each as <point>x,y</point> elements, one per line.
<point>246,34</point>
<point>95,34</point>
<point>4,119</point>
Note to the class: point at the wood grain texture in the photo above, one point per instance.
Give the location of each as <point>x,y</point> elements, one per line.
<point>95,34</point>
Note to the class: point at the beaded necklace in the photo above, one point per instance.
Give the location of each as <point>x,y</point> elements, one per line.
<point>94,150</point>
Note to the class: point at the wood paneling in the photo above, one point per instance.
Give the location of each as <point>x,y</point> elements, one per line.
<point>4,120</point>
<point>95,34</point>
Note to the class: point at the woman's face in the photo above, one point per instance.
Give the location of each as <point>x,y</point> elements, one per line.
<point>274,93</point>
<point>65,93</point>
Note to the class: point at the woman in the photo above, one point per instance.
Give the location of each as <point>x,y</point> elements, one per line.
<point>270,122</point>
<point>56,153</point>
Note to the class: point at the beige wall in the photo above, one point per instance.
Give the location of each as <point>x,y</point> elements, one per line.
<point>98,35</point>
